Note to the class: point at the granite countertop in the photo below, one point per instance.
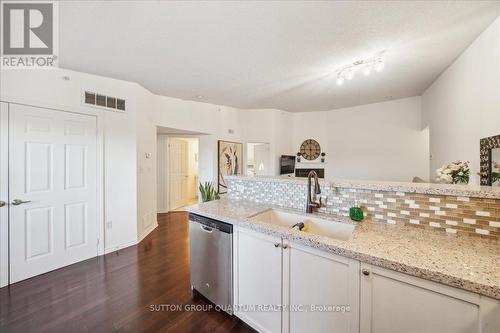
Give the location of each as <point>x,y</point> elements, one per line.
<point>464,262</point>
<point>473,191</point>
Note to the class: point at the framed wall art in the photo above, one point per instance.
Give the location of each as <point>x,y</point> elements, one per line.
<point>230,162</point>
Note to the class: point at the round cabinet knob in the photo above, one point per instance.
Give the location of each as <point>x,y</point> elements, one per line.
<point>276,244</point>
<point>207,285</point>
<point>365,272</point>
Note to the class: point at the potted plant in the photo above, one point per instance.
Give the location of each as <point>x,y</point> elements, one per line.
<point>455,173</point>
<point>208,192</point>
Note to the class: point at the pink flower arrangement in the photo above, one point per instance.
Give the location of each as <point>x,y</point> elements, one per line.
<point>454,173</point>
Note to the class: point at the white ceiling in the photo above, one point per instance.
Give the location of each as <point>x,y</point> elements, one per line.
<point>270,54</point>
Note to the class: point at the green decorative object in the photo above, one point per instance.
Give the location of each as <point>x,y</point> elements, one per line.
<point>495,177</point>
<point>208,192</point>
<point>356,214</point>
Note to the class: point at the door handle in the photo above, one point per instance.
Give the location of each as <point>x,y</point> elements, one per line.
<point>2,203</point>
<point>17,202</point>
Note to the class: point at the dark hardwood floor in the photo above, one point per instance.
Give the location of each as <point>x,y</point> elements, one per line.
<point>115,292</point>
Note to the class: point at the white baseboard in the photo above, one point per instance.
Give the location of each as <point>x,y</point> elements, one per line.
<point>119,247</point>
<point>127,244</point>
<point>147,232</point>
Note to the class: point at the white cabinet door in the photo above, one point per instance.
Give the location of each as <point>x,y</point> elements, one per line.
<point>258,289</point>
<point>396,302</point>
<point>52,167</point>
<point>321,291</point>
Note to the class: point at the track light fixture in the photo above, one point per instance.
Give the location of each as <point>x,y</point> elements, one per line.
<point>366,66</point>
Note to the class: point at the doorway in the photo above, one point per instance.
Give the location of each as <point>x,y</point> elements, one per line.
<point>259,159</point>
<point>49,187</point>
<point>177,172</point>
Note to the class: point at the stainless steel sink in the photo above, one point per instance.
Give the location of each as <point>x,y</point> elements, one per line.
<point>313,224</point>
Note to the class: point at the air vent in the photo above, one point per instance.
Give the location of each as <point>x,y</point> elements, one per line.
<point>102,101</point>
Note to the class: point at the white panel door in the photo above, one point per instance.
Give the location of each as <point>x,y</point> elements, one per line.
<point>4,194</point>
<point>52,167</point>
<point>259,292</point>
<point>178,173</point>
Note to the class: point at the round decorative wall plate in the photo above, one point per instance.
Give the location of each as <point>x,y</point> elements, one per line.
<point>310,149</point>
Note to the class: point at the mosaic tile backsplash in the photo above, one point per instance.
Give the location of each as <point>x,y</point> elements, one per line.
<point>450,214</point>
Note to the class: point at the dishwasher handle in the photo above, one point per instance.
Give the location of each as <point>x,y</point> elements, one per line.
<point>211,223</point>
<point>206,229</point>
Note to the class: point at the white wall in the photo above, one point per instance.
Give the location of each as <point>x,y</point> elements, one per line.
<point>381,141</point>
<point>270,126</point>
<point>216,123</point>
<point>213,120</point>
<point>146,165</point>
<point>47,88</point>
<point>463,104</point>
<point>162,173</point>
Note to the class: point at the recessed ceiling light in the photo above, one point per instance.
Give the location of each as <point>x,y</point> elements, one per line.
<point>199,96</point>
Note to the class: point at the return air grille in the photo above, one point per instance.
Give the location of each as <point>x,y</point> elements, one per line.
<point>102,101</point>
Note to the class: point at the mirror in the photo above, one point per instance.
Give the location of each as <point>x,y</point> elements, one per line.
<point>258,159</point>
<point>490,160</point>
<point>495,167</point>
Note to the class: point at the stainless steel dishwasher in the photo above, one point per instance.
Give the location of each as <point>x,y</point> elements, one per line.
<point>211,259</point>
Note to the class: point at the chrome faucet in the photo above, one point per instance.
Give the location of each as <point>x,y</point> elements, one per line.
<point>311,203</point>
